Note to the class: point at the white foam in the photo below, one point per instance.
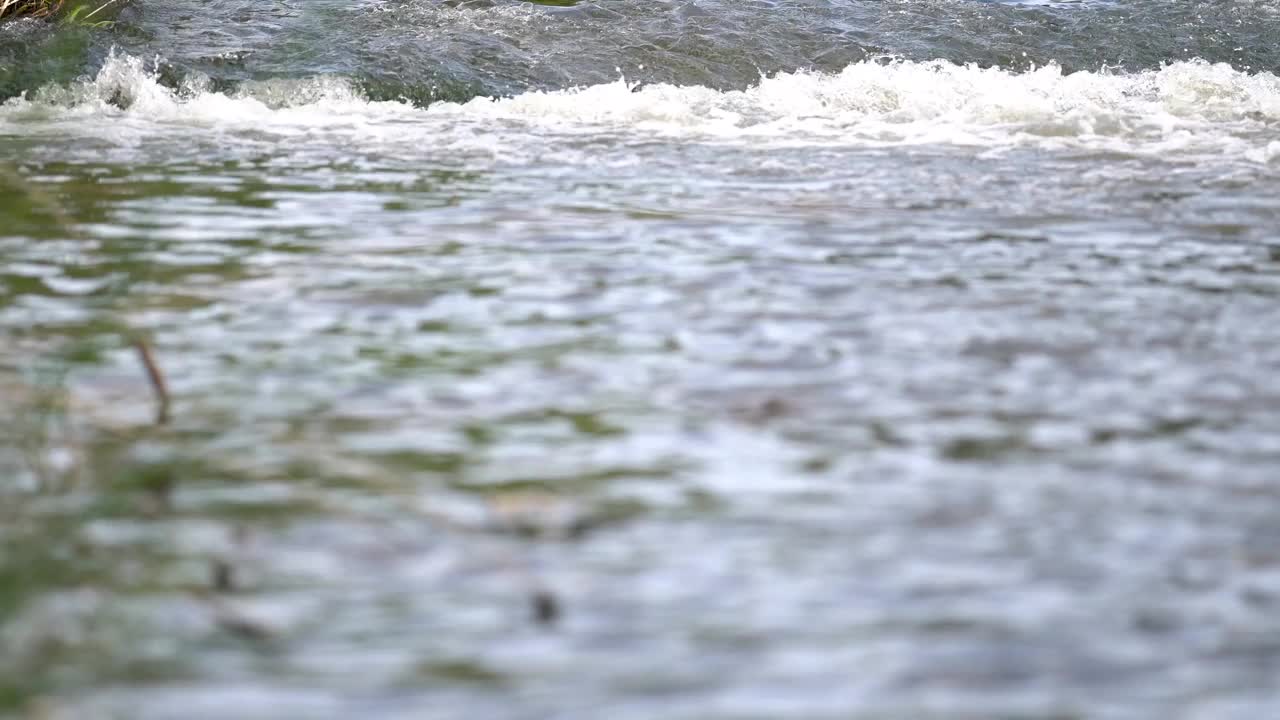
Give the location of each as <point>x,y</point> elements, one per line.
<point>125,89</point>
<point>906,102</point>
<point>1185,107</point>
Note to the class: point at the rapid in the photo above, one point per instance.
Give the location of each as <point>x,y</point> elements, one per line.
<point>812,359</point>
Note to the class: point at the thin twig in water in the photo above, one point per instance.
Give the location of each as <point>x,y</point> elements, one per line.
<point>102,7</point>
<point>157,379</point>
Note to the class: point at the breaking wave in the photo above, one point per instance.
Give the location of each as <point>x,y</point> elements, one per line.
<point>1184,106</point>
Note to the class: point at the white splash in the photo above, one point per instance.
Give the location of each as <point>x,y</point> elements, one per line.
<point>125,89</point>
<point>1185,107</point>
<point>906,102</point>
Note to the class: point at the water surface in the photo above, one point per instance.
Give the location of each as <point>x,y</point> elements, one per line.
<point>820,359</point>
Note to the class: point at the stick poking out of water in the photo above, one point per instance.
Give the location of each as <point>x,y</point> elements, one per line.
<point>157,379</point>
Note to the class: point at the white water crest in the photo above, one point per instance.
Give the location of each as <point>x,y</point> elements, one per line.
<point>1184,108</point>
<point>126,89</point>
<point>1184,105</point>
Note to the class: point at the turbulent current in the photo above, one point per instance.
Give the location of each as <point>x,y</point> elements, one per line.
<point>669,359</point>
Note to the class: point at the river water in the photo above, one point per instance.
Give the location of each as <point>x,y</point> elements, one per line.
<point>682,359</point>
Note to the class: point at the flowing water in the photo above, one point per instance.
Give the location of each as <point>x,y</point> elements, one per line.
<point>681,359</point>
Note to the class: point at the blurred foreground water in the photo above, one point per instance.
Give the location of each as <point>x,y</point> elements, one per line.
<point>682,359</point>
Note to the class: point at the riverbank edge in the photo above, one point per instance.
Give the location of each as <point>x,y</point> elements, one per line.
<point>13,9</point>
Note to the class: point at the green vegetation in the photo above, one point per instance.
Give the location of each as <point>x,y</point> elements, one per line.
<point>72,12</point>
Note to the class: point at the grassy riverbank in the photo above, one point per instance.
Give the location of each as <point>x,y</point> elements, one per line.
<point>53,8</point>
<point>38,8</point>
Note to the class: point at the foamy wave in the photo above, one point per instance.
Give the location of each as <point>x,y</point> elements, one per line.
<point>1185,106</point>
<point>923,102</point>
<point>126,88</point>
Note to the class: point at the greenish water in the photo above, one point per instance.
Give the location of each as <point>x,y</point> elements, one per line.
<point>935,373</point>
